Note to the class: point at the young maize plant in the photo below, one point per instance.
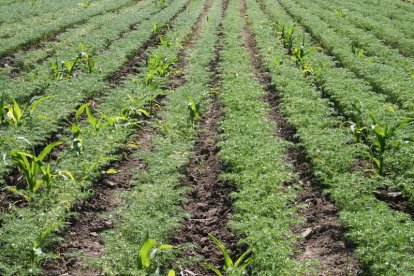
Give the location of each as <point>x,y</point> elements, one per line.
<point>146,259</point>
<point>230,267</point>
<point>158,65</point>
<point>67,69</point>
<point>301,56</point>
<point>15,114</point>
<point>193,111</point>
<point>36,171</point>
<point>384,133</point>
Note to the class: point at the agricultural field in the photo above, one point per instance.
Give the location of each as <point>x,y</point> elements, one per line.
<point>206,137</point>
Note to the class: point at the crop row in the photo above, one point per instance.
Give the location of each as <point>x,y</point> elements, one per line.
<point>100,140</point>
<point>397,88</point>
<point>34,29</point>
<point>153,204</point>
<point>28,9</point>
<point>357,101</point>
<point>373,44</point>
<point>392,24</point>
<point>95,38</point>
<point>69,94</point>
<point>382,236</point>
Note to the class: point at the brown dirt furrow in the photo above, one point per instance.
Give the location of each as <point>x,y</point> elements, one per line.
<point>82,236</point>
<point>323,234</point>
<point>209,205</point>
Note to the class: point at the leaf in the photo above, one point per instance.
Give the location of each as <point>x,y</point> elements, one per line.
<point>171,272</point>
<point>228,263</point>
<point>47,150</point>
<point>243,259</point>
<point>111,171</point>
<point>213,268</point>
<point>144,259</point>
<point>80,110</point>
<point>35,103</point>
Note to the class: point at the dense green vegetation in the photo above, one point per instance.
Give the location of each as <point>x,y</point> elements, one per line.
<point>83,83</point>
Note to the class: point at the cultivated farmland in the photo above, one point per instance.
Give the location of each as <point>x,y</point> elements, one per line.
<point>206,137</point>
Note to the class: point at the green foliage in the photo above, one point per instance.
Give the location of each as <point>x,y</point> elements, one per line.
<point>384,133</point>
<point>77,145</point>
<point>146,259</point>
<point>193,111</point>
<point>36,171</point>
<point>15,114</point>
<point>286,34</point>
<point>67,69</point>
<point>40,242</point>
<point>230,267</point>
<point>157,65</point>
<point>160,4</point>
<point>358,127</point>
<point>359,52</point>
<point>301,58</point>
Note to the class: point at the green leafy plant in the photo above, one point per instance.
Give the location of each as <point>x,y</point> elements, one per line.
<point>160,4</point>
<point>77,144</point>
<point>147,255</point>
<point>66,69</point>
<point>286,35</point>
<point>358,127</point>
<point>40,242</point>
<point>157,27</point>
<point>230,267</point>
<point>359,52</point>
<point>170,40</point>
<point>384,133</point>
<point>36,171</point>
<point>158,65</point>
<point>301,58</point>
<point>193,111</point>
<point>15,114</point>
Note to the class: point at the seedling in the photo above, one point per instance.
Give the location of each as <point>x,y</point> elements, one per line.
<point>16,114</point>
<point>160,4</point>
<point>147,255</point>
<point>286,35</point>
<point>40,242</point>
<point>67,69</point>
<point>36,171</point>
<point>359,52</point>
<point>193,111</point>
<point>358,127</point>
<point>158,65</point>
<point>301,56</point>
<point>230,267</point>
<point>384,133</point>
<point>77,145</point>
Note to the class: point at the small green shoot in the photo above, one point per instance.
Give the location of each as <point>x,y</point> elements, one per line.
<point>230,267</point>
<point>384,134</point>
<point>40,242</point>
<point>147,255</point>
<point>193,111</point>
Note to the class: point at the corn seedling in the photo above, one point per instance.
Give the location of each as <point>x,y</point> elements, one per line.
<point>157,27</point>
<point>67,69</point>
<point>40,242</point>
<point>16,114</point>
<point>383,135</point>
<point>358,127</point>
<point>359,52</point>
<point>230,267</point>
<point>168,41</point>
<point>301,56</point>
<point>77,145</point>
<point>36,171</point>
<point>146,259</point>
<point>286,35</point>
<point>193,111</point>
<point>158,65</point>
